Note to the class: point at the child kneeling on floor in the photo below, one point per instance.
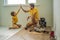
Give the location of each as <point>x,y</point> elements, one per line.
<point>15,20</point>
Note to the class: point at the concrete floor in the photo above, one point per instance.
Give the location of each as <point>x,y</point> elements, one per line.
<point>26,35</point>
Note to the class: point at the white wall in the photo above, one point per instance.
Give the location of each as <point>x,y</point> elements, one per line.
<point>45,10</point>
<point>0,12</point>
<point>57,18</point>
<point>0,15</point>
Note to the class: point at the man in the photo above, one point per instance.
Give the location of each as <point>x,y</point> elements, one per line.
<point>33,15</point>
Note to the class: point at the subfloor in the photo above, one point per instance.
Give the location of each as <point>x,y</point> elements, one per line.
<point>5,33</point>
<point>26,35</point>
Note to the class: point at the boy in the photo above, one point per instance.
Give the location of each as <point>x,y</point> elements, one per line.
<point>15,20</point>
<point>33,15</point>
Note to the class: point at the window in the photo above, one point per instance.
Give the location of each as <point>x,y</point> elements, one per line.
<point>31,1</point>
<point>14,2</point>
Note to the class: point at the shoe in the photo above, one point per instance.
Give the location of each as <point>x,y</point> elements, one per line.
<point>25,28</point>
<point>30,30</point>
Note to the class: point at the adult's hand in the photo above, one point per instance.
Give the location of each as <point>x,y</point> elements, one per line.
<point>28,17</point>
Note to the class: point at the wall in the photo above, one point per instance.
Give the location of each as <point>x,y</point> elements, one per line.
<point>0,15</point>
<point>0,12</point>
<point>45,10</point>
<point>57,18</point>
